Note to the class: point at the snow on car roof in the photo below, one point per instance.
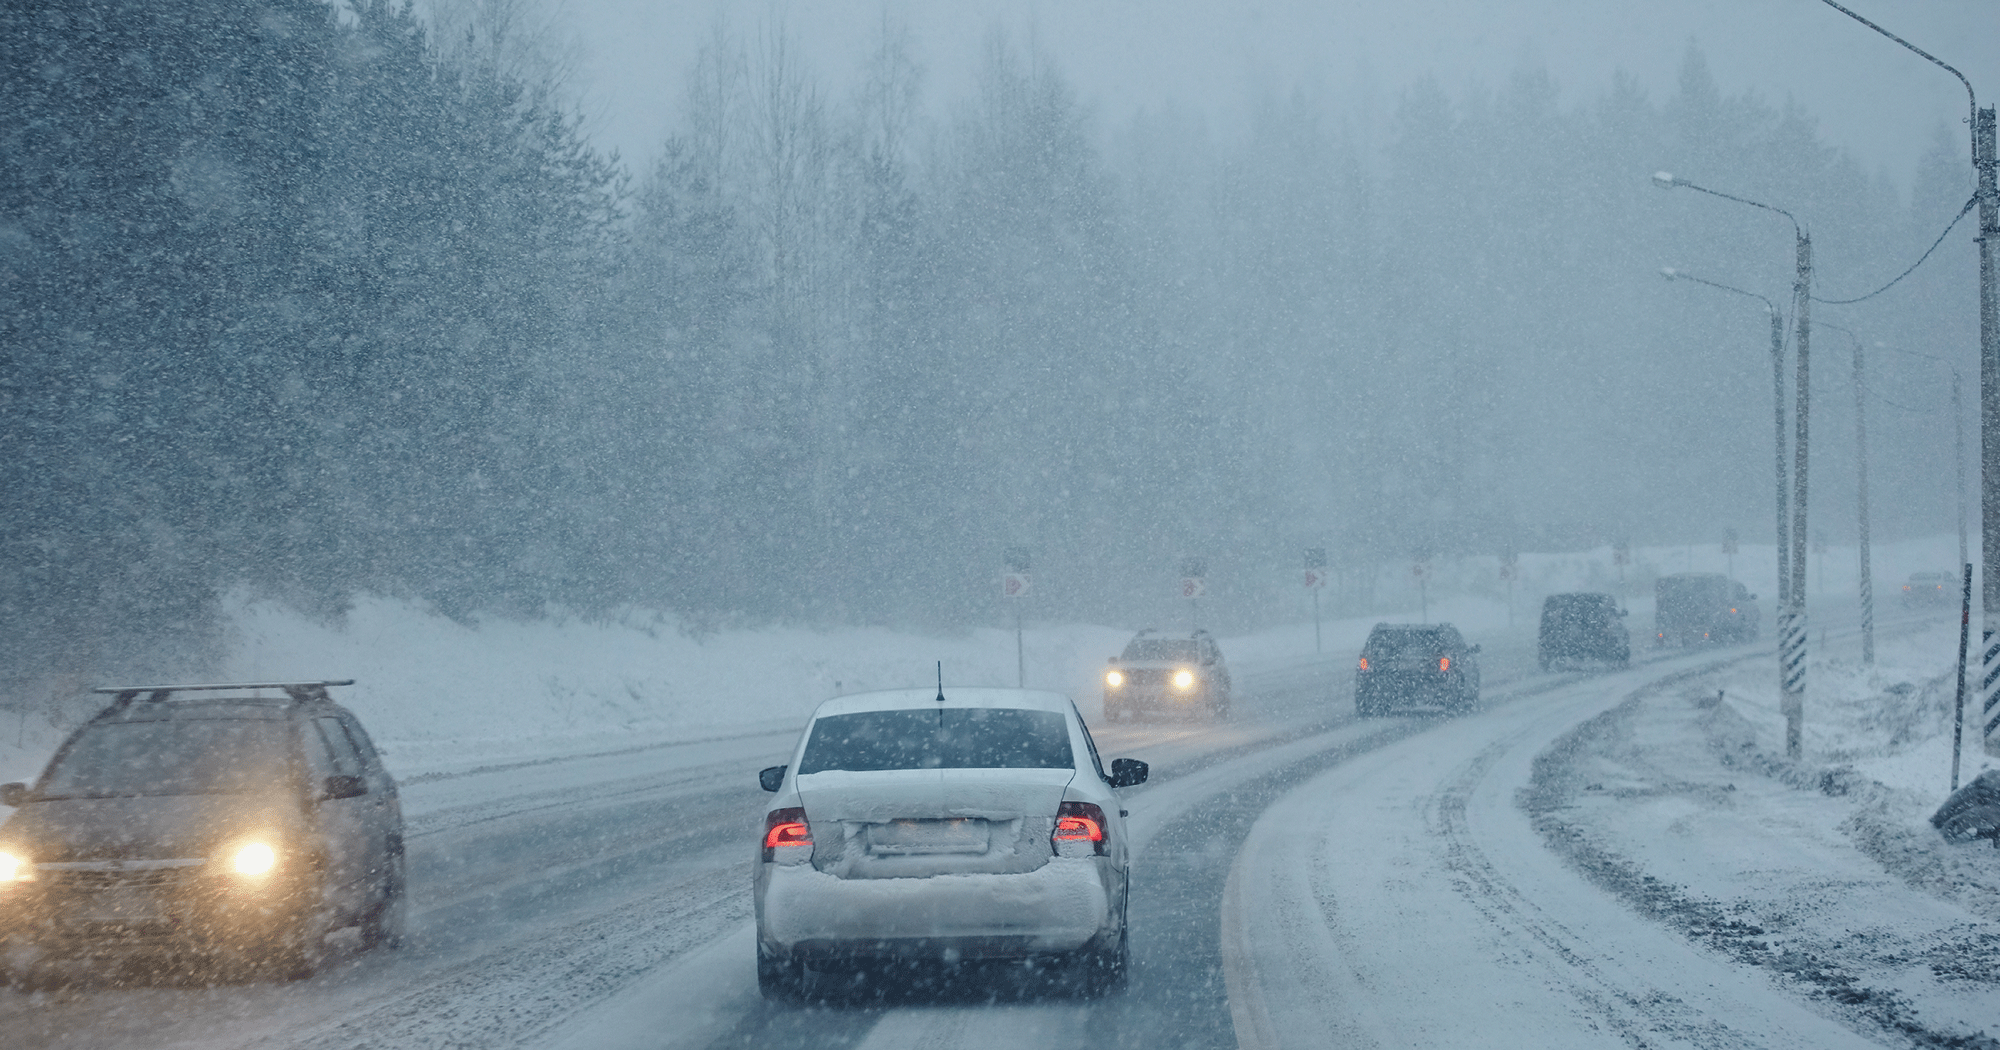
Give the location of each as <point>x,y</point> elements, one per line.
<point>954,696</point>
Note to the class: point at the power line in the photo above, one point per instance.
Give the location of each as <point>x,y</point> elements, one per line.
<point>1913,266</point>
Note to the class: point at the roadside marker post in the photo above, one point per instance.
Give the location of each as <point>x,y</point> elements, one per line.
<point>1194,577</point>
<point>1315,580</point>
<point>1014,585</point>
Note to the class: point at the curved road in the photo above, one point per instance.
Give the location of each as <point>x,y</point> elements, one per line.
<point>1298,874</point>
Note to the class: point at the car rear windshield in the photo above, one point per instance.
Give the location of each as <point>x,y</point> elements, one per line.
<point>951,738</point>
<point>1392,643</point>
<point>1160,649</point>
<point>182,757</point>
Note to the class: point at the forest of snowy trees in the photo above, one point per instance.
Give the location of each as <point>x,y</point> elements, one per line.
<point>295,299</point>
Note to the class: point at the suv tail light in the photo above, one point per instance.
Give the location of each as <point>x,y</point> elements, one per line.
<point>1444,663</point>
<point>1079,830</point>
<point>1364,663</point>
<point>784,831</point>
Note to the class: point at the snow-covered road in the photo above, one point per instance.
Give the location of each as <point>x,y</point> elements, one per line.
<point>1301,878</point>
<point>1403,899</point>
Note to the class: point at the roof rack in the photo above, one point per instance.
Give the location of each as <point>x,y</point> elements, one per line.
<point>300,692</point>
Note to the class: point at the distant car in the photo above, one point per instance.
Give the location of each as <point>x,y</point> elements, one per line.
<point>1583,627</point>
<point>1930,588</point>
<point>238,828</point>
<point>1416,665</point>
<point>1167,673</point>
<point>930,829</point>
<point>1691,608</point>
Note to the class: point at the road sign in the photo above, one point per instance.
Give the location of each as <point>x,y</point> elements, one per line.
<point>1014,585</point>
<point>1315,578</point>
<point>1192,587</point>
<point>1621,552</point>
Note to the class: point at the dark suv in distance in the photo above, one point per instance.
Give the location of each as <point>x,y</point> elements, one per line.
<point>188,828</point>
<point>1582,627</point>
<point>1692,608</point>
<point>1930,588</point>
<point>1416,665</point>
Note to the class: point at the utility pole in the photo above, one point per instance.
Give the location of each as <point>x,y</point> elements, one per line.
<point>1792,617</point>
<point>1792,642</point>
<point>1861,458</point>
<point>1867,575</point>
<point>1989,429</point>
<point>1988,195</point>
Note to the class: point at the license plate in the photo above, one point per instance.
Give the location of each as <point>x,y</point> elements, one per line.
<point>133,907</point>
<point>917,837</point>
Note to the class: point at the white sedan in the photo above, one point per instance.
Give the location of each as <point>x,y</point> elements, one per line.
<point>962,825</point>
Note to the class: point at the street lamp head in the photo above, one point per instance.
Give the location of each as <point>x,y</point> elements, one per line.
<point>1665,180</point>
<point>1669,272</point>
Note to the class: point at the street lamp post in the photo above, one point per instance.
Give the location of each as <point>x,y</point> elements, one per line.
<point>1988,195</point>
<point>1792,621</point>
<point>1778,416</point>
<point>1861,455</point>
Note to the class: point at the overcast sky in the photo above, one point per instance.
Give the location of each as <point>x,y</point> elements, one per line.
<point>1872,97</point>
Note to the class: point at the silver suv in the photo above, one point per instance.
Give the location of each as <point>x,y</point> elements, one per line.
<point>212,823</point>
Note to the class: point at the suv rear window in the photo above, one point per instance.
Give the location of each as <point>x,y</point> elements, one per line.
<point>1160,649</point>
<point>953,738</point>
<point>183,757</point>
<point>1394,642</point>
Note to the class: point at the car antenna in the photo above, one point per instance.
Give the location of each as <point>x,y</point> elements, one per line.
<point>940,696</point>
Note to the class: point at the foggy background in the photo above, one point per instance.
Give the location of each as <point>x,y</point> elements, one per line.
<point>317,302</point>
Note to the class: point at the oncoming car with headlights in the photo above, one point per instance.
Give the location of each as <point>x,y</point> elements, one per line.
<point>185,826</point>
<point>1163,673</point>
<point>976,824</point>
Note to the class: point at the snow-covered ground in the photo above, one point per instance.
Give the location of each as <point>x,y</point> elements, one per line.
<point>579,795</point>
<point>1822,873</point>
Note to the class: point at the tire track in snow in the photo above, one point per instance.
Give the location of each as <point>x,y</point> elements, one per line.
<point>1403,900</point>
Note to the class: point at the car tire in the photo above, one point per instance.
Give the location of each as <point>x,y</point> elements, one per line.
<point>296,952</point>
<point>1544,661</point>
<point>779,979</point>
<point>1101,970</point>
<point>387,926</point>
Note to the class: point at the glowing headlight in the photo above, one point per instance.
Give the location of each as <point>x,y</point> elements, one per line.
<point>253,859</point>
<point>1114,679</point>
<point>15,868</point>
<point>1184,679</point>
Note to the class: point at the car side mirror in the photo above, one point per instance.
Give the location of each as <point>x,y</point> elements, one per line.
<point>1753,597</point>
<point>1474,649</point>
<point>773,778</point>
<point>342,786</point>
<point>1128,772</point>
<point>1624,612</point>
<point>13,795</point>
<point>1113,661</point>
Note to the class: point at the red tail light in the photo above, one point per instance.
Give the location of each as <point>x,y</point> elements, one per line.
<point>1444,663</point>
<point>784,829</point>
<point>1364,663</point>
<point>1076,824</point>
